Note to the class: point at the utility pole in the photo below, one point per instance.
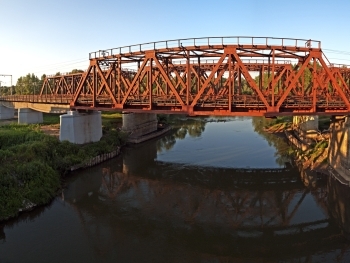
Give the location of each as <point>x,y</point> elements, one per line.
<point>7,75</point>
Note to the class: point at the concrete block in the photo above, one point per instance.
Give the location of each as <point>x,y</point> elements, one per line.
<point>6,113</point>
<point>29,116</point>
<point>338,148</point>
<point>81,128</point>
<point>139,124</point>
<point>306,123</point>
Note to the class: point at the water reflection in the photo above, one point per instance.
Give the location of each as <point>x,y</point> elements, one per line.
<point>141,207</point>
<point>194,127</point>
<point>338,203</point>
<point>212,212</point>
<point>225,142</point>
<point>274,140</point>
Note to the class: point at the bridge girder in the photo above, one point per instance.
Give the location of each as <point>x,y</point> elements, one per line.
<point>209,76</point>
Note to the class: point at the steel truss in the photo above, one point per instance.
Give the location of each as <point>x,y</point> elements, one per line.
<point>210,76</point>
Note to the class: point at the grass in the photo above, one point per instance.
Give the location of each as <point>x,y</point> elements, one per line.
<point>50,119</point>
<point>33,163</point>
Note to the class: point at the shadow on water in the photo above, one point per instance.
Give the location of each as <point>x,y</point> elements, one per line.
<point>24,217</point>
<point>338,204</point>
<point>137,208</point>
<point>212,212</point>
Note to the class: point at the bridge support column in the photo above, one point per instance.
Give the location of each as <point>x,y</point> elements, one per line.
<point>6,113</point>
<point>306,126</point>
<point>29,116</point>
<point>139,124</point>
<point>339,144</point>
<point>81,128</point>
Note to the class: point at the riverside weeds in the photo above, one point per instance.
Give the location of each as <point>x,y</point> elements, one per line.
<point>33,164</point>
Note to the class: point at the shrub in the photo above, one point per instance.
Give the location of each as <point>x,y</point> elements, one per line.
<point>35,162</point>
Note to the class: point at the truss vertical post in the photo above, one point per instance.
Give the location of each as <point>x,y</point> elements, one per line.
<point>150,80</point>
<point>119,72</point>
<point>199,74</point>
<point>188,84</point>
<point>230,75</point>
<point>167,73</point>
<point>94,85</point>
<point>239,82</point>
<point>314,85</point>
<point>260,77</point>
<point>273,80</point>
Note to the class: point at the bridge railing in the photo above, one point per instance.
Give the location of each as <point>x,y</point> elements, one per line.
<point>244,61</point>
<point>58,98</point>
<point>207,41</point>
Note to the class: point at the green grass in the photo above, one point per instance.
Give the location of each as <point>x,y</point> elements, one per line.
<point>109,115</point>
<point>50,118</point>
<point>33,163</point>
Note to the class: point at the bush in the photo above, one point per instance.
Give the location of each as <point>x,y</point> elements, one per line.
<point>35,163</point>
<point>35,182</point>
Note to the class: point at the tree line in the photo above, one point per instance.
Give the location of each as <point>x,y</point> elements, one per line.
<point>29,84</point>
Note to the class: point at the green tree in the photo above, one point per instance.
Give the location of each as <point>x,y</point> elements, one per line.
<point>5,90</point>
<point>28,84</point>
<point>41,82</point>
<point>76,71</point>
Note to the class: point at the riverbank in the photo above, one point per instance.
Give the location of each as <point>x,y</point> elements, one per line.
<point>35,162</point>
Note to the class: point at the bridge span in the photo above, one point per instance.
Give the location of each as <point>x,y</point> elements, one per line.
<point>231,76</point>
<point>217,76</point>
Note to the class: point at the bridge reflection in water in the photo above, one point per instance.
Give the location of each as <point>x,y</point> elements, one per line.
<point>182,211</point>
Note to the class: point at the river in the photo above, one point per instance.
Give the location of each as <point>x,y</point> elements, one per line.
<point>210,190</point>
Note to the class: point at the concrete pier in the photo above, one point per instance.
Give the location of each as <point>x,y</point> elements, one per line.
<point>306,123</point>
<point>29,116</point>
<point>139,124</point>
<point>306,127</point>
<point>339,154</point>
<point>6,113</point>
<point>81,128</point>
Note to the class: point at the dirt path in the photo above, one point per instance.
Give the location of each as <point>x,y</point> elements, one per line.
<point>53,129</point>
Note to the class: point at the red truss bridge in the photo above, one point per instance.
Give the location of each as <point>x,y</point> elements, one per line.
<point>231,76</point>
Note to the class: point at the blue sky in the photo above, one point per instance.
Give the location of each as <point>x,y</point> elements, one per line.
<point>47,36</point>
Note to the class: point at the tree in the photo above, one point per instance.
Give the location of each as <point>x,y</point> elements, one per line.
<point>28,84</point>
<point>76,71</point>
<point>5,90</point>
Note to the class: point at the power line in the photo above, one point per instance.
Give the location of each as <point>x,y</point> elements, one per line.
<point>64,62</point>
<point>340,59</point>
<point>58,65</point>
<point>337,51</point>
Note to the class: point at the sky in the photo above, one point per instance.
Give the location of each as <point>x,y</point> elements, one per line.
<point>49,36</point>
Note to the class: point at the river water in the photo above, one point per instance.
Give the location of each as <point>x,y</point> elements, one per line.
<point>211,190</point>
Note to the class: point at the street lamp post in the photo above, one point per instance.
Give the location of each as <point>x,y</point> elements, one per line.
<point>34,89</point>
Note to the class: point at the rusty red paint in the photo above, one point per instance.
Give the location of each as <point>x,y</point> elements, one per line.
<point>214,76</point>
